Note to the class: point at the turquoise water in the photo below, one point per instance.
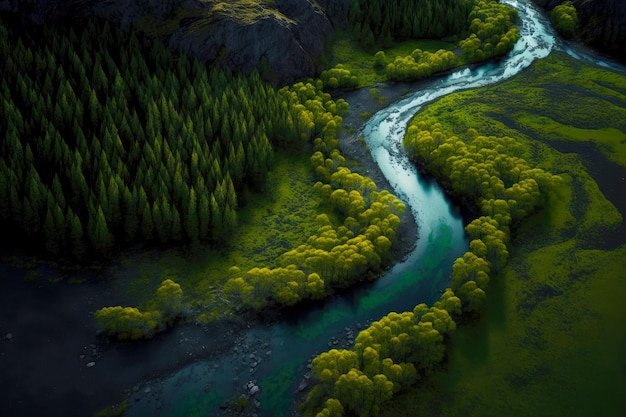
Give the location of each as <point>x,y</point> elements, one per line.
<point>418,279</point>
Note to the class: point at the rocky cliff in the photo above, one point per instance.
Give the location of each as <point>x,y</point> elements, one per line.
<point>286,42</point>
<point>285,38</point>
<point>602,23</point>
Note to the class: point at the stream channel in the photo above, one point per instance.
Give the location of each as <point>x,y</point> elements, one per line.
<point>53,365</point>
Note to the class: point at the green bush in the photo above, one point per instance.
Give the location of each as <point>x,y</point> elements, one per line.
<point>565,19</point>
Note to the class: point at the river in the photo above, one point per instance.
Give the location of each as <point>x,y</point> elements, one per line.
<point>45,361</point>
<point>206,384</point>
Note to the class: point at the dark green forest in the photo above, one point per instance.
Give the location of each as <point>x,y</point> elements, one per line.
<point>382,22</point>
<point>106,146</point>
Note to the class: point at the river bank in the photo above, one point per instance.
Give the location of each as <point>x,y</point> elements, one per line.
<point>56,364</point>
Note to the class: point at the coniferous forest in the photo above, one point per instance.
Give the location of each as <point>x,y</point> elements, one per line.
<point>105,146</point>
<point>395,20</point>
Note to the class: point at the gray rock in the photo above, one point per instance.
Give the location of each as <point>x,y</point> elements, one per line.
<point>303,384</point>
<point>90,364</point>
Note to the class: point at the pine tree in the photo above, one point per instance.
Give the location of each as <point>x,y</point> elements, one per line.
<point>191,219</point>
<point>147,225</point>
<point>99,235</point>
<point>131,217</point>
<point>204,217</point>
<point>76,235</point>
<point>49,232</point>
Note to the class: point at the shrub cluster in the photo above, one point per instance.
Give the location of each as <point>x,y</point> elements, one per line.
<point>129,323</point>
<point>393,352</point>
<point>565,19</point>
<point>339,77</point>
<point>492,31</point>
<point>338,254</point>
<point>420,64</point>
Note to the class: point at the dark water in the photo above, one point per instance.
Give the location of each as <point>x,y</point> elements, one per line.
<point>47,333</point>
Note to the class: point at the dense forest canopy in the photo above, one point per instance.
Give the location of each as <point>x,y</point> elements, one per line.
<point>107,145</point>
<point>386,21</point>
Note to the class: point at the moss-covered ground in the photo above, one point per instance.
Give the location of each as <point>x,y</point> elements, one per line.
<point>272,222</point>
<point>551,340</point>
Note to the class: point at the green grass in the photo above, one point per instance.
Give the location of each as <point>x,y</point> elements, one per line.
<point>347,51</point>
<point>272,222</point>
<point>551,341</point>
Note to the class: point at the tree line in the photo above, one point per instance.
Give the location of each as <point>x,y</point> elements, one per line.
<point>340,253</point>
<point>394,352</point>
<point>492,32</point>
<point>384,21</point>
<point>354,245</point>
<point>107,145</point>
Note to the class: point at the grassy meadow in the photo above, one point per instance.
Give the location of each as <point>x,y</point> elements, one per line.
<point>551,340</point>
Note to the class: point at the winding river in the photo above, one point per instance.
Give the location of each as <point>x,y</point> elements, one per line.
<point>273,358</point>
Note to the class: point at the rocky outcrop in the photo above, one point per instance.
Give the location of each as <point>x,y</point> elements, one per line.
<point>284,38</point>
<point>285,44</point>
<point>602,23</point>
